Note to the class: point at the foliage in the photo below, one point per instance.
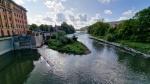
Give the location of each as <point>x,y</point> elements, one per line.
<point>64,44</point>
<point>143,19</point>
<point>75,47</point>
<point>74,38</point>
<point>111,30</point>
<point>145,47</point>
<point>33,27</point>
<point>42,27</point>
<point>136,29</point>
<point>69,29</point>
<point>98,28</point>
<point>110,37</point>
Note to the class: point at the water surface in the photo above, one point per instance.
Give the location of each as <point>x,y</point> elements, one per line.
<point>104,65</point>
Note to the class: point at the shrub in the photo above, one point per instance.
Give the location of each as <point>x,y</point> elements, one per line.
<point>110,37</point>
<point>59,44</point>
<point>69,40</point>
<point>74,38</point>
<point>148,39</point>
<point>133,38</point>
<point>53,36</point>
<point>64,40</point>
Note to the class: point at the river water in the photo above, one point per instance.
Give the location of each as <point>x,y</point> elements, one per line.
<point>105,64</point>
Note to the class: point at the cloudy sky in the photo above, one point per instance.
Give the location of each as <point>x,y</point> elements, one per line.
<point>80,13</point>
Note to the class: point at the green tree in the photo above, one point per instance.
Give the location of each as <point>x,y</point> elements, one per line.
<point>69,29</point>
<point>143,18</point>
<point>33,27</point>
<point>98,28</point>
<point>42,27</point>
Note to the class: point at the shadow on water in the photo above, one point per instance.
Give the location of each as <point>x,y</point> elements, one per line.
<point>138,63</point>
<point>15,66</point>
<point>133,62</point>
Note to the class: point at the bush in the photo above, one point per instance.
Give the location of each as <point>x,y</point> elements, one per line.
<point>133,38</point>
<point>59,44</point>
<point>110,37</point>
<point>53,36</point>
<point>74,38</point>
<point>148,39</point>
<point>69,40</point>
<point>64,40</point>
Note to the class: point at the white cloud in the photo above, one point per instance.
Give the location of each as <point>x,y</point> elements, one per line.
<point>108,12</point>
<point>106,20</point>
<point>22,1</point>
<point>61,17</point>
<point>122,18</point>
<point>18,1</point>
<point>82,17</point>
<point>31,0</point>
<point>104,1</point>
<point>64,0</point>
<point>129,12</point>
<point>49,19</point>
<point>56,6</point>
<point>78,17</point>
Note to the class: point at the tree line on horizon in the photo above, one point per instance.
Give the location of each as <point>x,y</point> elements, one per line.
<point>68,29</point>
<point>136,29</point>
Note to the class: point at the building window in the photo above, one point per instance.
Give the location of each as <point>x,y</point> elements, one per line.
<point>4,17</point>
<point>3,10</point>
<point>10,18</point>
<point>5,24</point>
<point>11,25</point>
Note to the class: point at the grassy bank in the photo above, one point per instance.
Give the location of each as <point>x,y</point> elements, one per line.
<point>143,47</point>
<point>74,47</point>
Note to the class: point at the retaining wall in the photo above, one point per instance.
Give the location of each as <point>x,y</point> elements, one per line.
<point>6,45</point>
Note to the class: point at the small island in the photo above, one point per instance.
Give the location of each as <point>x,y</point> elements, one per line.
<point>60,42</point>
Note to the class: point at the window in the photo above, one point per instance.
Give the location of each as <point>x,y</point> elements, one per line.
<point>10,18</point>
<point>11,25</point>
<point>5,24</point>
<point>4,17</point>
<point>3,10</point>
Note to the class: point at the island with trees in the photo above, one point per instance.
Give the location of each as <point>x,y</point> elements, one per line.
<point>134,33</point>
<point>59,40</point>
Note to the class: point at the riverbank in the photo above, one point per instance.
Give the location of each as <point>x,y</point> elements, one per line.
<point>139,48</point>
<point>75,47</point>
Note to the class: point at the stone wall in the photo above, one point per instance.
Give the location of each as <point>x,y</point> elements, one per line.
<point>6,45</point>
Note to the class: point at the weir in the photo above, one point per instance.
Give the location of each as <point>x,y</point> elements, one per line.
<point>22,41</point>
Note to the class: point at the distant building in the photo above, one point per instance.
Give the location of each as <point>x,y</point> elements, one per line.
<point>13,18</point>
<point>57,28</point>
<point>114,25</point>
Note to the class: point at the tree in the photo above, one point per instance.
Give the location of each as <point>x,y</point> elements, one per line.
<point>98,28</point>
<point>42,27</point>
<point>69,29</point>
<point>33,27</point>
<point>143,18</point>
<point>60,35</point>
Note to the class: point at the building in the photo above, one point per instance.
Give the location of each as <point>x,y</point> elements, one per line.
<point>115,25</point>
<point>13,18</point>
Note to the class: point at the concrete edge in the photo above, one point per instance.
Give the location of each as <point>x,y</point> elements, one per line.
<point>121,46</point>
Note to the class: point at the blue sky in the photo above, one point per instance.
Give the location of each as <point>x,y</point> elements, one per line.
<point>80,13</point>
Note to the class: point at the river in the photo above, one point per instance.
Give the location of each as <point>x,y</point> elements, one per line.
<point>105,64</point>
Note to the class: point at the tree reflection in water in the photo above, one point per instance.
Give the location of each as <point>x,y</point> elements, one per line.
<point>15,66</point>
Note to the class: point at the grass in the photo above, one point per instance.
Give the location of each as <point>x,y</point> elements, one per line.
<point>100,37</point>
<point>75,47</point>
<point>144,47</point>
